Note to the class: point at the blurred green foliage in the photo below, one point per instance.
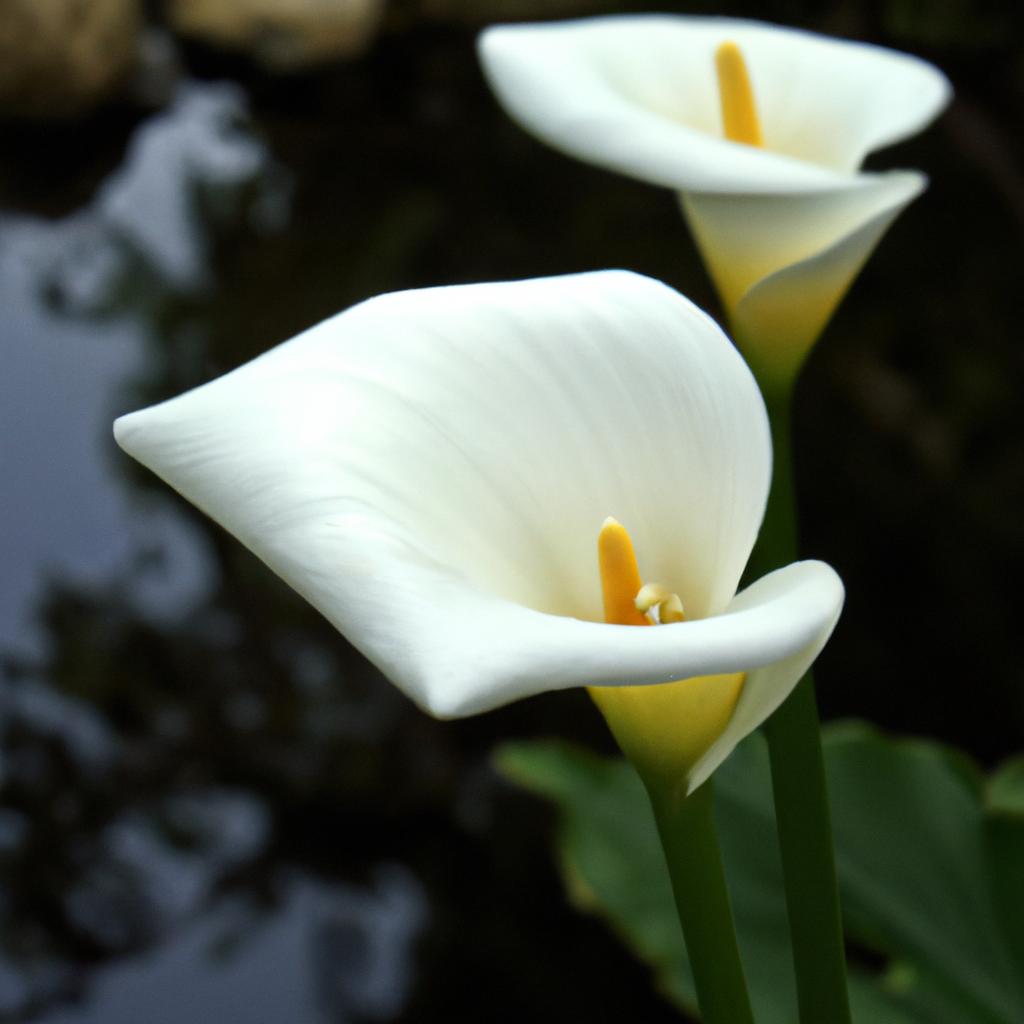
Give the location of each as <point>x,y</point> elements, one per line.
<point>932,905</point>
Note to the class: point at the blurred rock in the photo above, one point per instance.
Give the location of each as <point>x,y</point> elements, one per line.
<point>281,34</point>
<point>60,57</point>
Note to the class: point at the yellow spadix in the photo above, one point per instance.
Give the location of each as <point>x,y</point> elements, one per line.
<point>662,729</point>
<point>739,111</point>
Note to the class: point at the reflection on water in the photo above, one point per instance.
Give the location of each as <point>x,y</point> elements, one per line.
<point>94,876</point>
<point>188,172</point>
<point>155,886</point>
<point>212,809</point>
<point>320,953</point>
<point>81,298</point>
<point>74,520</point>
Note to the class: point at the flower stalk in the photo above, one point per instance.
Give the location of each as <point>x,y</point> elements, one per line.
<point>802,811</point>
<point>695,711</point>
<point>687,829</point>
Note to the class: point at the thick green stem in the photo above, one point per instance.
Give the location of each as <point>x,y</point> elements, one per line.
<point>687,830</point>
<point>798,780</point>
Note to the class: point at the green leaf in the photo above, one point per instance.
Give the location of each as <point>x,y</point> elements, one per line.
<point>930,857</point>
<point>1005,790</point>
<point>613,866</point>
<point>1005,836</point>
<point>911,848</point>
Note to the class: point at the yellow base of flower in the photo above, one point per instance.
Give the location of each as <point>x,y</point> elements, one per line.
<point>665,729</point>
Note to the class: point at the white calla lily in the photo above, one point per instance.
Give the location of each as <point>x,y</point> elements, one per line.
<point>783,226</point>
<point>431,469</point>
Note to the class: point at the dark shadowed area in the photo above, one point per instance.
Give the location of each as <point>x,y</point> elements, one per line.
<point>211,808</point>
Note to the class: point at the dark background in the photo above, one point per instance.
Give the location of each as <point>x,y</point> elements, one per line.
<point>211,807</point>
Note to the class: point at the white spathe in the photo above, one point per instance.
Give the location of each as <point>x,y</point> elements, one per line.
<point>785,228</point>
<point>430,469</point>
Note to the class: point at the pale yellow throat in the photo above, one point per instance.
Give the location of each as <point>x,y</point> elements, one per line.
<point>739,111</point>
<point>663,729</point>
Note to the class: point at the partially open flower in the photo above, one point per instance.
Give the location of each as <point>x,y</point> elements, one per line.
<point>432,469</point>
<point>761,130</point>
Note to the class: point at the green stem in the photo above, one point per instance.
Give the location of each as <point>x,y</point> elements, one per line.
<point>687,830</point>
<point>798,779</point>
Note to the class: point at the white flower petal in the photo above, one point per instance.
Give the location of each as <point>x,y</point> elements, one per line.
<point>783,263</point>
<point>781,315</point>
<point>430,469</point>
<point>635,95</point>
<point>766,687</point>
<point>782,619</point>
<point>746,238</point>
<point>783,228</point>
<point>638,94</point>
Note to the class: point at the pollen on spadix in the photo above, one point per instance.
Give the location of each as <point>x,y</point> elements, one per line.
<point>657,599</point>
<point>740,122</point>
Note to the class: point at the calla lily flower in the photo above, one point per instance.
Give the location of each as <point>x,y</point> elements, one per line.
<point>431,470</point>
<point>762,144</point>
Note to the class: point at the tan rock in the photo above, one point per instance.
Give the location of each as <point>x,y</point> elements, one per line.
<point>282,34</point>
<point>59,57</point>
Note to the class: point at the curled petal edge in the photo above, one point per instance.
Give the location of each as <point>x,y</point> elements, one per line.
<point>745,239</point>
<point>483,652</point>
<point>780,317</point>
